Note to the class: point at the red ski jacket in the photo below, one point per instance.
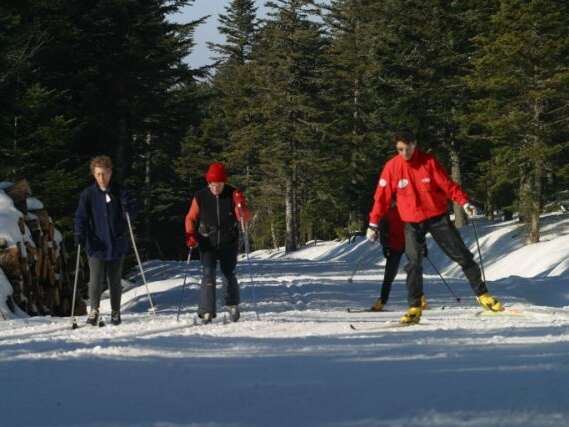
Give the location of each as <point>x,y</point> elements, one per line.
<point>422,186</point>
<point>392,230</point>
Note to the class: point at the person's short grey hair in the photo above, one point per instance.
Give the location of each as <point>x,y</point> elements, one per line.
<point>101,162</point>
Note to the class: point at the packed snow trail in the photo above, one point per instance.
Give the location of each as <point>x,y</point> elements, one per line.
<point>301,364</point>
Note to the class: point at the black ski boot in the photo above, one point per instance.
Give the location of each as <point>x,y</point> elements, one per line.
<point>206,318</point>
<point>234,314</point>
<point>93,318</point>
<point>116,317</point>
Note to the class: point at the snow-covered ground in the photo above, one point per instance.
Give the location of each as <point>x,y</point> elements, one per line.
<point>301,364</point>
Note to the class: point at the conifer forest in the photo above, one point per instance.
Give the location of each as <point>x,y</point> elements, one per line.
<point>300,105</point>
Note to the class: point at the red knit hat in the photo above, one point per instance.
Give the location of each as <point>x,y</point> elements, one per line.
<point>216,173</point>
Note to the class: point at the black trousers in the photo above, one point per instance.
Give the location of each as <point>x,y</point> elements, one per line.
<point>391,268</point>
<point>227,257</point>
<point>99,271</point>
<point>449,240</point>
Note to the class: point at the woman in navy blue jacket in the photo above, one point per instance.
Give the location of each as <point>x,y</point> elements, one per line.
<point>101,228</point>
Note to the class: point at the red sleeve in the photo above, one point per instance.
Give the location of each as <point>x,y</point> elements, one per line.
<point>192,219</point>
<point>449,187</point>
<point>383,195</point>
<point>245,210</point>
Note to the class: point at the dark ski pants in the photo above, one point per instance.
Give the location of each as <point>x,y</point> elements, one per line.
<point>111,271</point>
<point>449,240</point>
<point>391,268</point>
<point>227,257</point>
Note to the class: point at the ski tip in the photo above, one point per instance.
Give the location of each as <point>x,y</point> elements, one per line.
<point>357,310</point>
<point>505,312</point>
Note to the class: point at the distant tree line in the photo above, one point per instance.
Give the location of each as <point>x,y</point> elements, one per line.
<point>300,105</point>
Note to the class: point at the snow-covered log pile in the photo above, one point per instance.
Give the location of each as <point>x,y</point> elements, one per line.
<point>36,273</point>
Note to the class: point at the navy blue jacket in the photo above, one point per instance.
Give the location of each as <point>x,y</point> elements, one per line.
<point>100,223</point>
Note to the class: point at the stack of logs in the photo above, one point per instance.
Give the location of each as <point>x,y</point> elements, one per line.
<point>42,273</point>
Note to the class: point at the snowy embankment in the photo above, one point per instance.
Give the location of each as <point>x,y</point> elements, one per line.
<point>301,364</point>
<point>10,235</point>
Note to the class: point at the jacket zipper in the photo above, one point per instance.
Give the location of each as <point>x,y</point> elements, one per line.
<point>218,221</point>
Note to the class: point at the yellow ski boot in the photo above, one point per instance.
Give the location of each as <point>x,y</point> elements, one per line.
<point>424,304</point>
<point>488,302</point>
<point>377,306</point>
<point>412,316</point>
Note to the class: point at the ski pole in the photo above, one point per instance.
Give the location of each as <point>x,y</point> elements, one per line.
<point>184,285</point>
<point>357,267</point>
<point>444,281</point>
<point>479,252</point>
<point>152,309</point>
<point>73,319</point>
<point>246,243</point>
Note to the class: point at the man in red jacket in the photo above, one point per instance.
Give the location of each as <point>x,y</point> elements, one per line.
<point>423,189</point>
<point>212,224</point>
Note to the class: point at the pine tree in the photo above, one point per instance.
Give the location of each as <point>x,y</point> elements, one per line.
<point>423,52</point>
<point>290,111</point>
<point>221,135</point>
<point>357,133</point>
<point>239,26</point>
<point>35,129</point>
<point>125,84</point>
<point>521,76</point>
<point>227,123</point>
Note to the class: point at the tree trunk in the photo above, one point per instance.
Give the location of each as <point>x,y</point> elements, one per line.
<point>274,235</point>
<point>534,203</point>
<point>536,177</point>
<point>147,188</point>
<point>290,211</point>
<point>459,215</point>
<point>120,161</point>
<point>354,213</point>
<point>296,207</point>
<point>524,197</point>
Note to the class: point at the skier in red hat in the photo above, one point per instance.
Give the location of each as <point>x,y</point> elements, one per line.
<point>212,226</point>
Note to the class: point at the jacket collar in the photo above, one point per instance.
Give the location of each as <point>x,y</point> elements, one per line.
<point>416,157</point>
<point>98,189</point>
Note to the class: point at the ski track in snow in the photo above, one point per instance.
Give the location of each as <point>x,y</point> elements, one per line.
<point>301,364</point>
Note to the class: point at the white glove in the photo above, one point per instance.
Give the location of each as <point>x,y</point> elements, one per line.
<point>469,209</point>
<point>372,233</point>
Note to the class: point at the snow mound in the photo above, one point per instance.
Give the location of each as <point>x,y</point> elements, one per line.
<point>9,217</point>
<point>504,251</point>
<point>5,291</point>
<point>34,204</point>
